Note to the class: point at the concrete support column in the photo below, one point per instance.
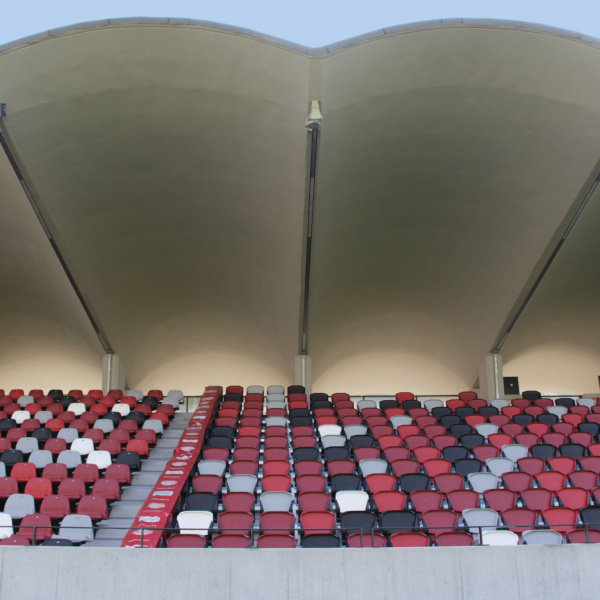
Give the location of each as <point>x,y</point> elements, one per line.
<point>303,372</point>
<point>491,379</point>
<point>113,373</point>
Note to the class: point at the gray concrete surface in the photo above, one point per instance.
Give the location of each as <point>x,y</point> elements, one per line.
<point>560,573</point>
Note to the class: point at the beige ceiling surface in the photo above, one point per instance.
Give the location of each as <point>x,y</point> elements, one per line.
<point>170,162</point>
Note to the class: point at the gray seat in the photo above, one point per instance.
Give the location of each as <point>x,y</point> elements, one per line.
<point>106,425</point>
<point>212,467</point>
<point>480,482</point>
<point>276,421</point>
<point>275,398</point>
<point>19,505</point>
<point>137,394</point>
<point>499,403</point>
<point>242,483</point>
<point>486,429</point>
<point>366,404</point>
<point>155,425</point>
<point>281,501</point>
<point>433,403</point>
<point>195,522</point>
<point>171,401</point>
<point>23,401</point>
<point>43,416</point>
<point>77,528</point>
<point>399,420</point>
<point>27,445</point>
<point>351,430</point>
<point>275,404</point>
<point>255,389</point>
<point>542,537</point>
<point>589,402</point>
<point>178,394</point>
<point>275,389</point>
<point>2,469</point>
<point>69,434</point>
<point>559,411</point>
<point>370,466</point>
<point>333,441</point>
<point>499,465</point>
<point>70,458</point>
<point>484,518</point>
<point>41,458</point>
<point>515,451</point>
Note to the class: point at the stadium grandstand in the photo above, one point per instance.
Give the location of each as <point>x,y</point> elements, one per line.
<point>225,257</point>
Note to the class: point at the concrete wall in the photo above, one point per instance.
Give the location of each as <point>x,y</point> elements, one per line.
<point>518,573</point>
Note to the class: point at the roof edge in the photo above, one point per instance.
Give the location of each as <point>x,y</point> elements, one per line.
<point>309,51</point>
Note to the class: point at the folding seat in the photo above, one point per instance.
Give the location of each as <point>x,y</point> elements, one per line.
<point>195,522</point>
<point>437,466</point>
<point>464,411</point>
<point>395,521</point>
<point>27,445</point>
<point>570,422</point>
<point>274,540</point>
<point>30,425</point>
<point>573,497</point>
<point>499,538</point>
<point>43,416</point>
<point>19,505</point>
<point>8,486</point>
<point>488,411</point>
<point>486,429</point>
<point>426,500</point>
<point>204,501</point>
<point>240,523</point>
<point>531,465</point>
<point>108,489</point>
<point>480,519</point>
<point>474,420</point>
<point>310,483</point>
<point>498,440</point>
<point>444,414</point>
<point>389,500</point>
<point>55,472</point>
<point>55,507</point>
<point>400,420</point>
<point>20,416</point>
<point>131,459</point>
<point>562,464</point>
<point>471,440</point>
<point>439,521</point>
<point>113,447</point>
<point>299,454</point>
<point>67,434</point>
<point>500,499</point>
<point>544,451</point>
<point>345,481</point>
<point>96,435</point>
<point>278,501</point>
<point>351,500</point>
<point>106,425</point>
<point>23,472</point>
<point>554,439</point>
<point>82,445</point>
<point>446,421</point>
<point>73,489</point>
<point>380,432</point>
<point>415,441</point>
<point>11,409</point>
<point>588,480</point>
<point>551,480</point>
<point>14,435</point>
<point>212,467</point>
<point>414,481</point>
<point>39,488</point>
<point>313,501</point>
<point>277,522</point>
<point>35,528</point>
<point>443,441</point>
<point>572,451</point>
<point>590,516</point>
<point>247,483</point>
<point>460,500</point>
<point>447,482</point>
<point>207,483</point>
<point>583,536</point>
<point>467,466</point>
<point>433,403</point>
<point>378,482</point>
<point>369,467</point>
<point>402,453</point>
<point>527,439</point>
<point>6,526</point>
<point>499,466</point>
<point>516,481</point>
<point>315,522</point>
<point>560,518</point>
<point>403,467</point>
<point>120,436</point>
<point>138,446</point>
<point>594,449</point>
<point>522,421</point>
<point>454,538</point>
<point>515,452</point>
<point>499,403</point>
<point>363,453</point>
<point>585,434</point>
<point>480,482</point>
<point>88,473</point>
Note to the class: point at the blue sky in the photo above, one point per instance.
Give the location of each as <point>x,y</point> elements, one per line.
<point>304,22</point>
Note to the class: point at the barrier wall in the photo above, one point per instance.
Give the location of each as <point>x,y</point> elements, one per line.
<point>518,573</point>
<point>158,508</point>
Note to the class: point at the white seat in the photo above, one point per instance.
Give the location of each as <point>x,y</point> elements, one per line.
<point>6,525</point>
<point>370,466</point>
<point>69,434</point>
<point>515,451</point>
<point>255,389</point>
<point>333,441</point>
<point>122,409</point>
<point>476,518</point>
<point>82,445</point>
<point>77,528</point>
<point>433,403</point>
<point>43,416</point>
<point>19,505</point>
<point>499,538</point>
<point>399,420</point>
<point>330,430</point>
<point>281,501</point>
<point>366,404</point>
<point>589,402</point>
<point>100,458</point>
<point>212,467</point>
<point>27,445</point>
<point>70,458</point>
<point>486,429</point>
<point>275,389</point>
<point>41,458</point>
<point>78,408</point>
<point>499,403</point>
<point>23,401</point>
<point>2,469</point>
<point>276,421</point>
<point>275,404</point>
<point>352,430</point>
<point>21,415</point>
<point>499,465</point>
<point>196,522</point>
<point>348,500</point>
<point>242,483</point>
<point>559,410</point>
<point>542,537</point>
<point>482,481</point>
<point>155,425</point>
<point>106,425</point>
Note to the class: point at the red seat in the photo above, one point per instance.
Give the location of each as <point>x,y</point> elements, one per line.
<point>89,417</point>
<point>499,420</point>
<point>309,467</point>
<point>500,439</point>
<point>499,499</point>
<point>239,501</point>
<point>460,500</point>
<point>81,426</point>
<point>537,498</point>
<point>8,486</point>
<point>423,454</point>
<point>554,439</point>
<point>409,539</point>
<point>55,445</point>
<point>128,425</point>
<point>437,466</point>
<point>440,521</point>
<point>560,518</point>
<point>590,463</point>
<point>562,464</point>
<point>367,540</point>
<point>573,497</point>
<point>317,521</point>
<point>580,536</point>
<point>231,540</point>
<point>366,453</point>
<point>243,467</point>
<point>454,538</point>
<point>87,472</point>
<point>119,435</point>
<point>55,472</point>
<point>276,483</point>
<point>120,473</point>
<point>236,522</point>
<point>531,464</point>
<point>94,507</point>
<point>444,441</point>
<point>401,453</point>
<point>483,452</point>
<point>55,507</point>
<point>527,439</point>
<point>39,488</point>
<point>551,480</point>
<point>587,480</point>
<point>96,435</point>
<point>448,482</point>
<point>107,488</point>
<point>138,446</point>
<point>380,482</point>
<point>23,472</point>
<point>275,521</point>
<point>426,500</point>
<point>519,520</point>
<point>516,481</point>
<point>36,528</point>
<point>30,425</point>
<point>113,447</point>
<point>275,453</point>
<point>389,500</point>
<point>310,483</point>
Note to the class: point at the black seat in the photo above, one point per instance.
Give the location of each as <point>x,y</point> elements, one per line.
<point>385,404</point>
<point>151,401</point>
<point>56,542</point>
<point>393,521</point>
<point>466,466</point>
<point>471,440</point>
<point>345,481</point>
<point>531,395</point>
<point>11,458</point>
<point>488,411</point>
<point>318,396</point>
<point>233,398</point>
<point>299,412</point>
<point>6,424</point>
<point>131,459</point>
<point>587,427</point>
<point>361,441</point>
<point>590,516</point>
<point>547,418</point>
<point>575,451</point>
<point>523,419</point>
<point>296,389</point>
<point>296,421</point>
<point>115,417</point>
<point>449,420</point>
<point>464,411</point>
<point>306,454</point>
<point>219,441</point>
<point>459,430</point>
<point>336,453</point>
<point>544,451</point>
<point>136,416</point>
<point>223,430</point>
<point>568,402</point>
<point>412,482</point>
<point>408,404</point>
<point>201,501</point>
<point>442,411</point>
<point>357,521</point>
<point>56,393</point>
<point>321,404</point>
<point>321,540</point>
<point>454,453</point>
<point>42,434</point>
<point>64,401</point>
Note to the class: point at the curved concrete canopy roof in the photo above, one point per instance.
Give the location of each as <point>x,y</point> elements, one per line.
<point>170,161</point>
